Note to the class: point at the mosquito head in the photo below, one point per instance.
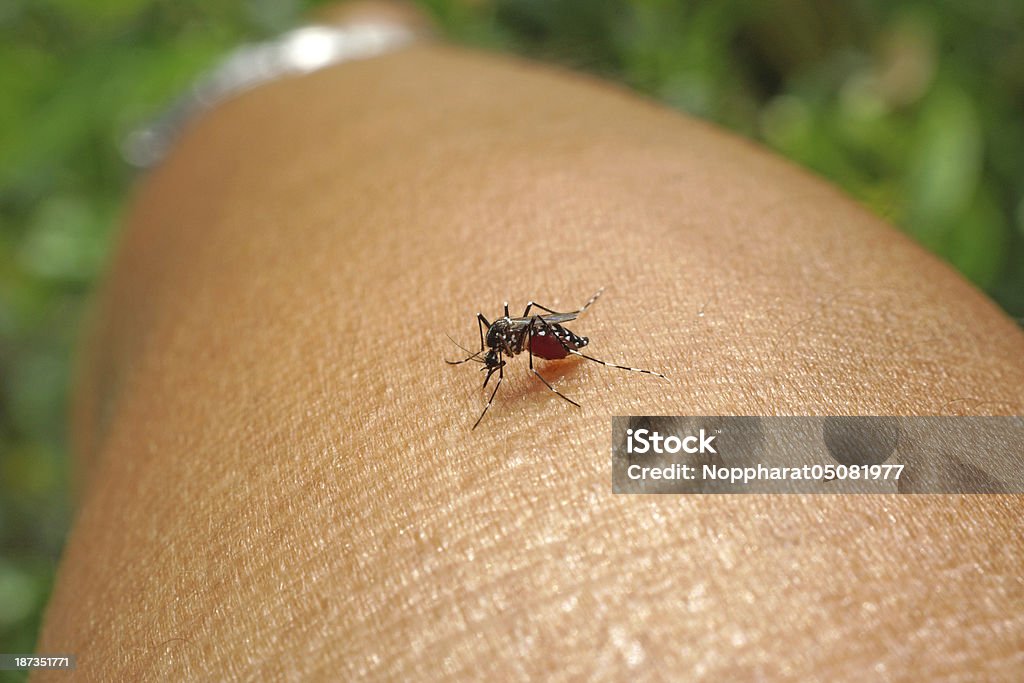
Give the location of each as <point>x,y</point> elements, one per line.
<point>491,360</point>
<point>499,336</point>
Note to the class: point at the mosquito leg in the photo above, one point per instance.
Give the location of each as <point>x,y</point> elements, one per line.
<point>490,372</point>
<point>481,322</point>
<point>590,302</point>
<point>573,351</point>
<point>472,354</point>
<point>587,305</point>
<point>501,376</point>
<point>529,306</point>
<point>613,365</point>
<point>534,304</point>
<point>529,348</point>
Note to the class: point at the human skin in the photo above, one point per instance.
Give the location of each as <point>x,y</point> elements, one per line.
<point>278,475</point>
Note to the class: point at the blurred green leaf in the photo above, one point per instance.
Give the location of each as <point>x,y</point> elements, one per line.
<point>18,594</point>
<point>945,164</point>
<point>977,242</point>
<point>63,240</point>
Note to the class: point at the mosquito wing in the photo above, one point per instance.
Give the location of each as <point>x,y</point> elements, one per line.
<point>559,318</point>
<point>550,318</point>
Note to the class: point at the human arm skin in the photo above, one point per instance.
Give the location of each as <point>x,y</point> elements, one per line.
<point>279,479</point>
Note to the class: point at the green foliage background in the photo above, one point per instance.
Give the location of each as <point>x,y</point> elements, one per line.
<point>915,108</point>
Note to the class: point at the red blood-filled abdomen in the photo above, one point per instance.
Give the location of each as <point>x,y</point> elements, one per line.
<point>547,347</point>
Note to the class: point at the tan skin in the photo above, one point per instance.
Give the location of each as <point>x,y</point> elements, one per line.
<point>279,476</point>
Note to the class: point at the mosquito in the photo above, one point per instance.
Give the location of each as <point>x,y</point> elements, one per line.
<point>540,335</point>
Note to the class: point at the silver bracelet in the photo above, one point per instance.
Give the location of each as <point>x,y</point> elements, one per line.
<point>295,53</point>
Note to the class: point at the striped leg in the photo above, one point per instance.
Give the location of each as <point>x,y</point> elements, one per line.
<point>549,330</point>
<point>501,376</point>
<point>620,367</point>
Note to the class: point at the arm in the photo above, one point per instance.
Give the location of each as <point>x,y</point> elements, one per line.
<point>278,469</point>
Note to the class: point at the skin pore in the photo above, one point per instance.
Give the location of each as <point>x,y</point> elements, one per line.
<point>278,476</point>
